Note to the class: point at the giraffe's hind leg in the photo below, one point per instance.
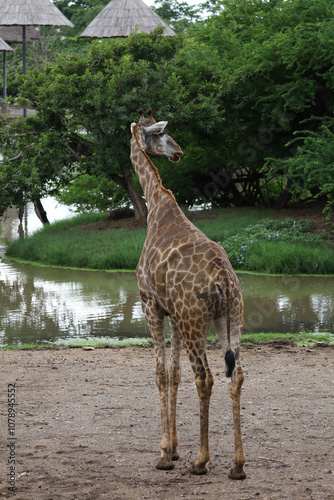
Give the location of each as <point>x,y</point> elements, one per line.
<point>237,471</point>
<point>236,378</point>
<point>174,381</point>
<point>204,383</point>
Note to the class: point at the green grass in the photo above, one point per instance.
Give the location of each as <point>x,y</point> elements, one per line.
<point>281,247</point>
<point>230,222</point>
<point>253,239</point>
<point>302,339</point>
<point>61,244</point>
<point>289,258</point>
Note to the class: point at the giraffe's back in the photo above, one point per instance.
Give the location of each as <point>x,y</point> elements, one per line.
<point>188,275</point>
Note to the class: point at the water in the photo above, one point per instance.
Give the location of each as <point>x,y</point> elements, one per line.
<point>56,305</point>
<point>31,223</point>
<point>288,303</point>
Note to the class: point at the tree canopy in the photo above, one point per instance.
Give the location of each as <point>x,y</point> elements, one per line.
<point>248,94</point>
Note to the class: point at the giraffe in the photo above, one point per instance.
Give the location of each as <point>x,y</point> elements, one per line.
<point>185,276</point>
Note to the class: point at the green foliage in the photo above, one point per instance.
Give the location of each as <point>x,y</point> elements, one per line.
<point>302,339</point>
<point>178,15</point>
<point>75,221</point>
<point>80,12</point>
<point>268,246</point>
<point>290,258</point>
<point>63,244</point>
<point>89,192</point>
<point>281,247</point>
<point>274,65</point>
<point>312,166</point>
<point>31,162</point>
<point>248,94</point>
<point>85,105</point>
<point>229,222</point>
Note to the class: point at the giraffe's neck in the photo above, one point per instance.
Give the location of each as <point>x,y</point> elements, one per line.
<point>147,174</point>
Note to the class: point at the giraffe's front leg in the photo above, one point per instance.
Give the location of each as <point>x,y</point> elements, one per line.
<point>155,320</point>
<point>166,447</point>
<point>174,381</point>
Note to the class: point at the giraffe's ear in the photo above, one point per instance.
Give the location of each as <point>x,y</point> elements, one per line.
<point>156,128</point>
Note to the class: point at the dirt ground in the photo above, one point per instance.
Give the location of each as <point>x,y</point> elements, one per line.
<point>87,426</point>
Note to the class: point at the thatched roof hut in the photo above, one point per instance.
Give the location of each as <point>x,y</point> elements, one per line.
<point>120,17</point>
<point>31,13</point>
<point>13,34</point>
<point>4,47</point>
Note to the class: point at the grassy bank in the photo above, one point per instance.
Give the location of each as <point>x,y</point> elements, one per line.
<point>302,339</point>
<point>255,240</point>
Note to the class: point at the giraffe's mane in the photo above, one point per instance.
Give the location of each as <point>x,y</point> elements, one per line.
<point>153,167</point>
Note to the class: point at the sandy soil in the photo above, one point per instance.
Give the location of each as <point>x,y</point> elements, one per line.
<point>87,426</point>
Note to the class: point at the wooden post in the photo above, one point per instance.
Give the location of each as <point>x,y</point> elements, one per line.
<point>4,75</point>
<point>24,62</point>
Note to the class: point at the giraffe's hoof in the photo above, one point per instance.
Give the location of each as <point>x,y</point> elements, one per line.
<point>175,455</point>
<point>199,470</point>
<point>164,464</point>
<point>237,472</point>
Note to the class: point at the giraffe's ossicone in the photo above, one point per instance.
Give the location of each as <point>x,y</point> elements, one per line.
<point>184,275</point>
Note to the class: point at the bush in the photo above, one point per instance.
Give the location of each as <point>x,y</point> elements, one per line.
<point>277,247</point>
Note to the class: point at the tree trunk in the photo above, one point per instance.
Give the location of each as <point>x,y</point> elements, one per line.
<point>284,198</point>
<point>40,212</point>
<point>137,201</point>
<point>20,229</point>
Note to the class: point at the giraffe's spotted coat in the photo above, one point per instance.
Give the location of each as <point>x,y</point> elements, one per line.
<point>187,277</point>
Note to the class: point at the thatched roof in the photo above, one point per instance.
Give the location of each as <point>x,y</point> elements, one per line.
<point>120,17</point>
<point>4,47</point>
<point>13,34</point>
<point>31,13</point>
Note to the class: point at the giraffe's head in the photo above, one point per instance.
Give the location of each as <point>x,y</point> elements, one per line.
<point>153,139</point>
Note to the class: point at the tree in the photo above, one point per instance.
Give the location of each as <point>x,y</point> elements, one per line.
<point>311,169</point>
<point>274,68</point>
<point>178,15</point>
<point>85,105</point>
<point>249,93</point>
<point>91,192</point>
<point>80,13</point>
<point>55,40</point>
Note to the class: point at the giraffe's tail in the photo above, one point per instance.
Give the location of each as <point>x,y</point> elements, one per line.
<point>230,362</point>
<point>229,355</point>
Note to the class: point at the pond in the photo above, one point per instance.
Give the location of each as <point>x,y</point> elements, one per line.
<point>60,305</point>
<point>31,223</point>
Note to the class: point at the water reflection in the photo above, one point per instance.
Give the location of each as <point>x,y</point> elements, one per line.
<point>288,303</point>
<point>10,224</point>
<point>54,304</point>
